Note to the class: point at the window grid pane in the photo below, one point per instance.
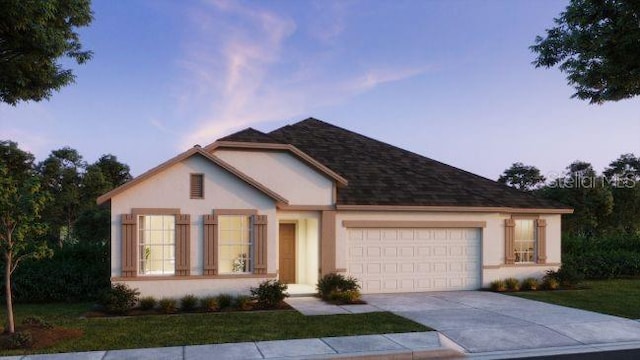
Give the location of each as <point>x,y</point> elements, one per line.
<point>235,255</point>
<point>525,241</point>
<point>156,239</point>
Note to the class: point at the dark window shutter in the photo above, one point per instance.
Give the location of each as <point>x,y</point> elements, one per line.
<point>541,227</point>
<point>260,243</point>
<point>210,244</point>
<point>129,246</point>
<point>183,244</point>
<point>509,241</point>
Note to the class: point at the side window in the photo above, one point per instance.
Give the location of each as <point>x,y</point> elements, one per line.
<point>525,241</point>
<point>235,244</point>
<point>157,244</point>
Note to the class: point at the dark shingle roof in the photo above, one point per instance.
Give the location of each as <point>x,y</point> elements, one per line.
<point>250,135</point>
<point>382,174</point>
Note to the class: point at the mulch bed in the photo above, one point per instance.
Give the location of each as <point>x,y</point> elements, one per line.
<point>139,312</point>
<point>42,337</point>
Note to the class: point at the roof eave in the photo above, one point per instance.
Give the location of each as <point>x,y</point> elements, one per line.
<point>512,210</point>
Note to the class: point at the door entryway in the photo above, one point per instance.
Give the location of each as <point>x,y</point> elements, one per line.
<point>287,249</point>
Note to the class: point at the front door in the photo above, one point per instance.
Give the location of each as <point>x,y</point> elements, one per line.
<point>288,253</point>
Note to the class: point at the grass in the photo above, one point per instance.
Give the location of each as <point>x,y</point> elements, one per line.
<point>615,297</point>
<point>203,328</point>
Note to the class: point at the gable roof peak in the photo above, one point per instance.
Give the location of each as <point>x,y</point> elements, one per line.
<point>250,135</point>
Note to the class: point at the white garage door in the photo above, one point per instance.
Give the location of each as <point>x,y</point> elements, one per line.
<point>410,260</point>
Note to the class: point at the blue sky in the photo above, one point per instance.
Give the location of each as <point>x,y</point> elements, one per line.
<point>451,80</point>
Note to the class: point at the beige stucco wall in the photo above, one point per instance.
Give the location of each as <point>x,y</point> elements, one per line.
<point>493,236</point>
<point>198,287</point>
<point>170,189</point>
<point>283,173</point>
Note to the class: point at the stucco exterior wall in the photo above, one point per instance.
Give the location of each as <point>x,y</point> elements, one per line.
<point>493,239</point>
<point>170,189</point>
<point>283,173</point>
<point>198,287</point>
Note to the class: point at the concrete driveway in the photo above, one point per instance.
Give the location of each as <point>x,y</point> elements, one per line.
<point>485,322</point>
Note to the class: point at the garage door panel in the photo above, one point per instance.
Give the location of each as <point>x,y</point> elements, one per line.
<point>408,260</point>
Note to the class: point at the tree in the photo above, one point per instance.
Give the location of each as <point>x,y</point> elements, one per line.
<point>597,43</point>
<point>21,204</point>
<point>587,193</point>
<point>34,35</point>
<point>522,177</point>
<point>62,177</point>
<point>623,175</point>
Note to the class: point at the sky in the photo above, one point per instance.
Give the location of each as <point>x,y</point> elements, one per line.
<point>451,80</point>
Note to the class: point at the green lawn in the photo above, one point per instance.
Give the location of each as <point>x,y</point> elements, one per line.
<point>191,329</point>
<point>615,297</point>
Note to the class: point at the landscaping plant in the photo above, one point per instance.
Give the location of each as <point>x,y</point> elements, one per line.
<point>209,304</point>
<point>188,303</point>
<point>168,306</point>
<point>498,286</point>
<point>512,284</point>
<point>147,303</point>
<point>333,283</point>
<point>530,284</point>
<point>225,301</point>
<point>242,302</point>
<point>119,299</point>
<point>269,294</point>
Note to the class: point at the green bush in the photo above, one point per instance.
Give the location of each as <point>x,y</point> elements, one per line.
<point>75,272</point>
<point>148,303</point>
<point>209,304</point>
<point>530,284</point>
<point>335,283</point>
<point>550,283</point>
<point>119,299</point>
<point>225,301</point>
<point>20,340</point>
<point>168,306</point>
<point>604,257</point>
<point>498,286</point>
<point>512,284</point>
<point>188,303</point>
<point>242,302</point>
<point>269,294</point>
<point>345,297</point>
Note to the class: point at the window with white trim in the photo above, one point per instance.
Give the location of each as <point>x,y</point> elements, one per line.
<point>525,236</point>
<point>235,244</point>
<point>156,244</point>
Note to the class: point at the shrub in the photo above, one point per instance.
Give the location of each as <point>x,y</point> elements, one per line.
<point>209,304</point>
<point>168,306</point>
<point>550,283</point>
<point>345,297</point>
<point>148,303</point>
<point>37,321</point>
<point>242,302</point>
<point>512,284</point>
<point>269,294</point>
<point>530,284</point>
<point>188,303</point>
<point>119,299</point>
<point>224,301</point>
<point>568,276</point>
<point>333,282</point>
<point>75,272</point>
<point>20,340</point>
<point>498,286</point>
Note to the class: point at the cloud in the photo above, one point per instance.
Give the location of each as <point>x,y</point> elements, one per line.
<point>244,66</point>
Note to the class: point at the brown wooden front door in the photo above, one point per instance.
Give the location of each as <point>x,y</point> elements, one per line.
<point>288,253</point>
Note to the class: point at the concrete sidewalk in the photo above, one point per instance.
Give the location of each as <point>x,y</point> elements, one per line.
<point>420,345</point>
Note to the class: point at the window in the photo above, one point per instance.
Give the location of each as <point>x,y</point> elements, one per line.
<point>197,186</point>
<point>157,245</point>
<point>525,240</point>
<point>235,244</point>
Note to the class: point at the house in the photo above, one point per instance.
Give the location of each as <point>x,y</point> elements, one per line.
<point>311,198</point>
